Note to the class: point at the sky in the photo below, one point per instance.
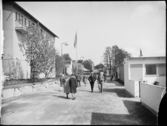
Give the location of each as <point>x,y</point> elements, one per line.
<point>129,25</point>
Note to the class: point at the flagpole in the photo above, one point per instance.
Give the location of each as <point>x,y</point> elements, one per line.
<point>76,54</point>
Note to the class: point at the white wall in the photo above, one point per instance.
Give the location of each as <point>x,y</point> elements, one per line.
<point>133,88</point>
<point>8,31</point>
<point>151,95</point>
<point>160,79</point>
<point>120,71</point>
<point>149,79</point>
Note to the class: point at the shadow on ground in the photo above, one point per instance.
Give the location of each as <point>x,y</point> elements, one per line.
<point>138,115</point>
<point>60,96</point>
<point>120,92</point>
<point>84,90</point>
<point>12,107</point>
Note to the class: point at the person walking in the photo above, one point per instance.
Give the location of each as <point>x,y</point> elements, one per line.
<point>78,77</point>
<point>100,82</point>
<point>62,82</point>
<point>92,80</point>
<point>84,79</point>
<point>73,85</point>
<point>67,88</point>
<point>104,77</point>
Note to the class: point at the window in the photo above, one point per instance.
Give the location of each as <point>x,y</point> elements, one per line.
<point>29,23</point>
<point>25,21</point>
<point>16,16</point>
<point>21,19</point>
<point>151,69</point>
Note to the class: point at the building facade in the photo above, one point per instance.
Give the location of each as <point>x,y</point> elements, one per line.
<point>148,69</point>
<point>15,21</point>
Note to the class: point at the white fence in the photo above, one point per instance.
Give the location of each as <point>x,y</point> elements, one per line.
<point>151,96</point>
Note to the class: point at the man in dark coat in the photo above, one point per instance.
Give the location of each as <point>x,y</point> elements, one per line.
<point>73,86</point>
<point>92,80</point>
<point>104,77</point>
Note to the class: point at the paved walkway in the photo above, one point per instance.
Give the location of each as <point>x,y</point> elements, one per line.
<point>113,106</point>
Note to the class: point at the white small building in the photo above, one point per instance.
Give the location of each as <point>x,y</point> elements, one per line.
<point>148,69</point>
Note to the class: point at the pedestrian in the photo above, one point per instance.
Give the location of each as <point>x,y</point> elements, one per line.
<point>73,85</point>
<point>111,76</point>
<point>104,77</point>
<point>100,82</point>
<point>92,80</point>
<point>116,75</point>
<point>67,88</point>
<point>78,77</point>
<point>62,82</point>
<point>84,79</point>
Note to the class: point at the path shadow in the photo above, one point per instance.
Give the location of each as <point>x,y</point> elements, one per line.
<point>64,97</point>
<point>139,111</point>
<point>84,90</point>
<point>119,92</point>
<point>138,115</point>
<point>111,119</point>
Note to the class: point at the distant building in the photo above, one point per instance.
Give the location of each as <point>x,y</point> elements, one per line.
<point>15,21</point>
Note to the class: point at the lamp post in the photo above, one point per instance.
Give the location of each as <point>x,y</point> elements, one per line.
<point>65,43</point>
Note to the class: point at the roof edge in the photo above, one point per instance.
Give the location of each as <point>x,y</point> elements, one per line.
<point>17,5</point>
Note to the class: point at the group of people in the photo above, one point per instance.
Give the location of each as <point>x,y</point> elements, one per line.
<point>100,78</point>
<point>70,84</point>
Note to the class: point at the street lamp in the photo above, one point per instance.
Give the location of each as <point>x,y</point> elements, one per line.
<point>65,43</point>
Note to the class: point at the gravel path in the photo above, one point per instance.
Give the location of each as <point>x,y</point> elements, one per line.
<point>50,106</point>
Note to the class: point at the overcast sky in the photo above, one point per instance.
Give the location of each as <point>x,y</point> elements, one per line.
<point>129,25</point>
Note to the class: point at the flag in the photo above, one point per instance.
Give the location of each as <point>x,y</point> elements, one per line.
<point>141,53</point>
<point>75,41</point>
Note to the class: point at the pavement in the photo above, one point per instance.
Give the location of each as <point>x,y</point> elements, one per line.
<point>112,107</point>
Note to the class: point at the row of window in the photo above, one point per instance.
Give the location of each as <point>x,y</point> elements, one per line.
<point>24,21</point>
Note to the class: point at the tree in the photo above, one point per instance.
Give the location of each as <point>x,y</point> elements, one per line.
<point>80,61</point>
<point>118,56</point>
<point>107,58</point>
<point>66,56</point>
<point>77,68</point>
<point>114,56</point>
<point>88,64</point>
<point>99,66</point>
<point>59,64</point>
<point>38,47</point>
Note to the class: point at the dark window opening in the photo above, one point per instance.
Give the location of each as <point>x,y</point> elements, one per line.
<point>151,70</point>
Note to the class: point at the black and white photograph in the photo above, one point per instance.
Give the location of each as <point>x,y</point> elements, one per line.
<point>83,63</point>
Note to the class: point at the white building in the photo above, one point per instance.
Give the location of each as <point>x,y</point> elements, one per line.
<point>140,73</point>
<point>15,21</point>
<point>148,69</point>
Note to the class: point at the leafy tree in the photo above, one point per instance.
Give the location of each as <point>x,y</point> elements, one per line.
<point>114,56</point>
<point>66,56</point>
<point>38,47</point>
<point>107,58</point>
<point>80,61</point>
<point>59,64</point>
<point>77,68</point>
<point>88,64</point>
<point>99,66</point>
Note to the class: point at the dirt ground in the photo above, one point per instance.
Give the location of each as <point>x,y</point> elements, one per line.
<point>50,106</point>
